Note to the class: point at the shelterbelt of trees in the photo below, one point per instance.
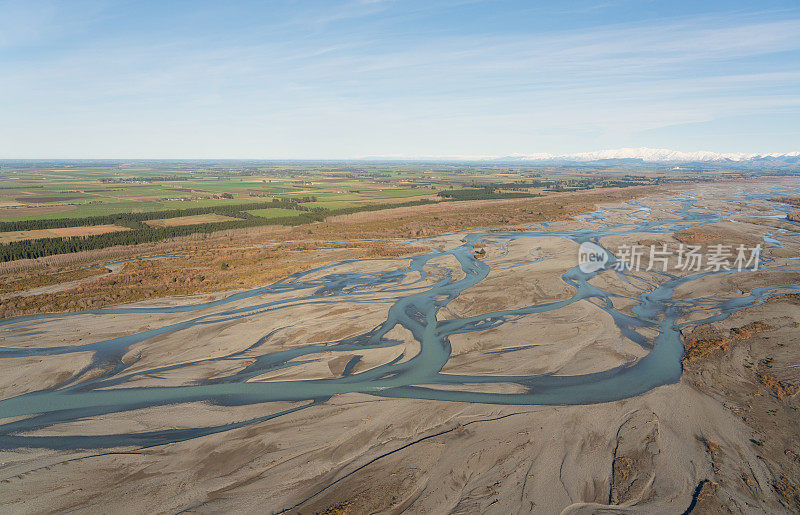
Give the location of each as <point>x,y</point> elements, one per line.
<point>135,220</point>
<point>483,193</point>
<point>140,232</point>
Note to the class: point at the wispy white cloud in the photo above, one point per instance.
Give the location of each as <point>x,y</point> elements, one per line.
<point>370,86</point>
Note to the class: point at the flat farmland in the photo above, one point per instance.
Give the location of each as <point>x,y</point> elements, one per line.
<point>190,220</point>
<point>274,212</point>
<point>22,212</point>
<point>57,193</point>
<point>174,199</point>
<point>61,232</point>
<point>334,204</point>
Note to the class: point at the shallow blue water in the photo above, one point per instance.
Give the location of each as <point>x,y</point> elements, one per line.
<point>414,309</point>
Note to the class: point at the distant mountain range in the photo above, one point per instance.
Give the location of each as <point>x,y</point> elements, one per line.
<point>643,156</point>
<point>661,155</point>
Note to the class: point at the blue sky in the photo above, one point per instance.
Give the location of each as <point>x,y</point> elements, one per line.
<point>342,79</point>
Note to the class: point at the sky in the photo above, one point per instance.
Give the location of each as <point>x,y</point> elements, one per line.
<point>345,79</point>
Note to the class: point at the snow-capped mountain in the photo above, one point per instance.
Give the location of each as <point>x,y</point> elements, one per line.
<point>658,155</point>
<point>641,155</point>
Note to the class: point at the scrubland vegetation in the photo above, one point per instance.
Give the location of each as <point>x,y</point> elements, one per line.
<point>232,259</point>
<point>138,204</point>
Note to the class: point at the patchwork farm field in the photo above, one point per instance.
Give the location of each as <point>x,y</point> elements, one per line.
<point>58,197</point>
<point>59,232</point>
<point>272,212</point>
<point>190,220</point>
<point>69,206</point>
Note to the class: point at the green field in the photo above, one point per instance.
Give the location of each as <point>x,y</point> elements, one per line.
<point>215,195</point>
<point>330,204</point>
<point>58,190</point>
<point>274,212</point>
<point>58,194</point>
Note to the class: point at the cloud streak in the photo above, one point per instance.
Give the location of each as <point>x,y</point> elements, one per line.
<point>509,91</point>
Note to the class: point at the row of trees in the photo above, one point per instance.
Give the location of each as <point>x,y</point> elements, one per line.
<point>134,220</point>
<point>565,184</point>
<point>516,185</point>
<point>143,233</point>
<point>589,183</point>
<point>27,249</point>
<point>483,193</point>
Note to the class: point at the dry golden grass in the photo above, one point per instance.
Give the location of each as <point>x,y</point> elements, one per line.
<point>21,282</point>
<point>705,341</point>
<point>66,232</point>
<point>224,261</point>
<point>198,269</point>
<point>696,236</point>
<point>780,389</point>
<point>20,210</point>
<point>445,217</point>
<point>788,491</point>
<point>190,220</point>
<point>61,232</point>
<point>715,234</point>
<point>792,201</point>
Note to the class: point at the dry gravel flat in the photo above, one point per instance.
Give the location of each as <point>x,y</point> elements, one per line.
<point>722,438</point>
